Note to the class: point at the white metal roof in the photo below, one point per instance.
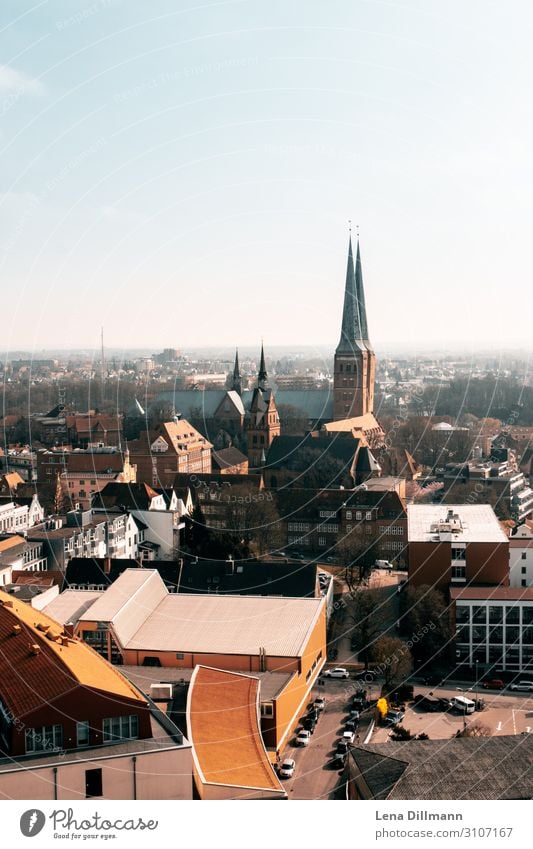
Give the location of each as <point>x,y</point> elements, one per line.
<point>478,522</point>
<point>128,601</point>
<point>227,625</point>
<point>69,605</point>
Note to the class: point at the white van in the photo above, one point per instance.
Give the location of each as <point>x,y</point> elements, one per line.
<point>383,564</point>
<point>464,705</point>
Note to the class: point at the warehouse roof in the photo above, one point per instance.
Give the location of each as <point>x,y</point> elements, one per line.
<point>146,616</point>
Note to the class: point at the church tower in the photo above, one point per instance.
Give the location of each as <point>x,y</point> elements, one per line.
<point>355,361</point>
<point>236,382</point>
<point>263,420</point>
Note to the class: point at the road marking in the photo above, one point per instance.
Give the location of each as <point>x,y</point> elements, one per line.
<point>514,723</point>
<point>499,726</point>
<point>528,729</point>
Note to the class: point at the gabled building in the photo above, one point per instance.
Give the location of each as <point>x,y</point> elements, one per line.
<point>174,447</point>
<point>71,726</point>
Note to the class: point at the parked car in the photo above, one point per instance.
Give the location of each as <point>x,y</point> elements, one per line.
<point>342,747</point>
<point>338,672</point>
<point>319,703</point>
<point>349,736</point>
<point>429,703</point>
<point>493,684</point>
<point>308,724</point>
<point>286,768</point>
<point>522,685</point>
<point>351,724</point>
<point>303,737</point>
<point>403,693</point>
<point>338,761</point>
<point>393,717</point>
<point>445,704</point>
<point>355,716</point>
<point>369,675</point>
<point>383,564</point>
<point>313,714</point>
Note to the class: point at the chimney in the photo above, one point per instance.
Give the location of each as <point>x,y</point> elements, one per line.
<point>35,648</point>
<point>107,565</point>
<point>69,629</point>
<point>16,630</point>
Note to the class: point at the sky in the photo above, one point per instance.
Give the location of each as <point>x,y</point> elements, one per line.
<point>183,172</point>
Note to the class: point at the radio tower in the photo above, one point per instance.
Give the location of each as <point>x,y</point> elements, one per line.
<point>102,362</point>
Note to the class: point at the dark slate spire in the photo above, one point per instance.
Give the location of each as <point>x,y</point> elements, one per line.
<point>237,381</point>
<point>262,378</point>
<point>361,299</point>
<point>351,332</point>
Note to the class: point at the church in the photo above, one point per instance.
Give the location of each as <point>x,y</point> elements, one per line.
<point>249,419</point>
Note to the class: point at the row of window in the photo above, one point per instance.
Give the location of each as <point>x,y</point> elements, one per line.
<point>49,738</point>
<point>495,613</point>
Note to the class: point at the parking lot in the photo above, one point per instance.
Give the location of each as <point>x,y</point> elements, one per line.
<point>505,713</point>
<point>313,776</point>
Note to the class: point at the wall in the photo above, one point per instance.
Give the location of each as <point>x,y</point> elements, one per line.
<point>517,562</point>
<point>117,777</point>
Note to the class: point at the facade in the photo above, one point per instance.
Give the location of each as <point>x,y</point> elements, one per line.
<point>355,361</point>
<point>175,447</point>
<point>316,522</point>
<point>494,628</point>
<point>521,562</point>
<point>84,472</point>
<point>509,485</point>
<point>18,515</point>
<point>457,545</point>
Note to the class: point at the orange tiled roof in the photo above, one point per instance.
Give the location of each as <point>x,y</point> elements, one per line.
<point>11,542</point>
<point>28,678</point>
<point>224,729</point>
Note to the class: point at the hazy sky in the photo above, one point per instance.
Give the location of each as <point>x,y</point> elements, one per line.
<point>182,172</point>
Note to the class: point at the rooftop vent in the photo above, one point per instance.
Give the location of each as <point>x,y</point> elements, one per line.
<point>16,630</point>
<point>35,648</point>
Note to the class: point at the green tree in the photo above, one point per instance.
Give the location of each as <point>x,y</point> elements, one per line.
<point>425,622</point>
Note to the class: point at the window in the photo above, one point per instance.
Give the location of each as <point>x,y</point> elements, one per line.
<point>458,553</point>
<point>458,573</point>
<point>523,555</point>
<point>93,783</point>
<point>179,654</point>
<point>327,514</point>
<point>46,738</point>
<point>358,514</point>
<point>121,728</point>
<point>368,515</point>
<point>348,529</point>
<point>348,515</point>
<point>524,570</point>
<point>267,709</point>
<point>82,732</point>
<point>523,582</point>
<point>322,541</point>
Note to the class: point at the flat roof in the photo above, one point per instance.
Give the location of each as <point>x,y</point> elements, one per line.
<point>479,522</point>
<point>271,683</point>
<point>223,727</point>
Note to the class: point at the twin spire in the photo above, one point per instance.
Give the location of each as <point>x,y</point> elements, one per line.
<point>354,330</point>
<point>262,377</point>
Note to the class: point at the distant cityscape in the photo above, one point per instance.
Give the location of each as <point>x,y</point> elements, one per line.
<point>208,558</point>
